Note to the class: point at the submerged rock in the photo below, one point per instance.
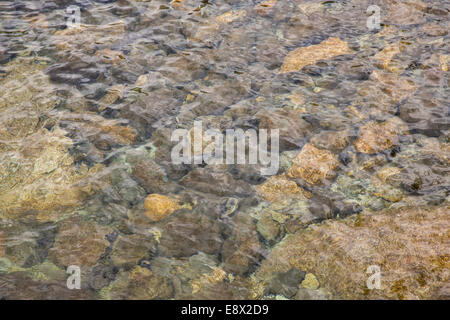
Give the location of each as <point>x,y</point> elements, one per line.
<point>309,8</point>
<point>412,12</point>
<point>88,37</point>
<point>410,245</point>
<point>385,56</point>
<point>216,181</point>
<point>242,251</point>
<point>426,112</point>
<point>444,60</point>
<point>310,282</point>
<point>385,191</point>
<point>286,283</point>
<point>40,178</point>
<point>138,284</point>
<point>27,86</point>
<point>3,237</point>
<point>279,187</point>
<point>389,174</point>
<point>399,88</point>
<point>268,228</point>
<point>314,165</point>
<point>112,95</point>
<point>38,175</point>
<point>309,294</point>
<point>380,95</point>
<point>24,247</point>
<point>230,16</point>
<point>363,190</point>
<point>301,57</point>
<point>265,7</point>
<point>333,141</point>
<point>216,276</point>
<point>200,277</point>
<point>48,271</point>
<point>79,242</point>
<point>103,133</point>
<point>158,206</point>
<point>293,129</point>
<point>18,286</point>
<point>86,175</point>
<point>219,285</point>
<point>110,56</point>
<point>376,137</point>
<point>186,233</point>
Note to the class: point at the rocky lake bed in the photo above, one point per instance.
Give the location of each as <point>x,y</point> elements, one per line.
<point>87,112</point>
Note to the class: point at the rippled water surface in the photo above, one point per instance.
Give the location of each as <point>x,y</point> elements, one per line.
<point>87,180</point>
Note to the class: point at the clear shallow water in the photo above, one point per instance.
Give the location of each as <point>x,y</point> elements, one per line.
<point>87,115</point>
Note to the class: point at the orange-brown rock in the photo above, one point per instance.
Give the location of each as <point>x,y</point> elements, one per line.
<point>2,241</point>
<point>158,206</point>
<point>217,275</point>
<point>314,165</point>
<point>230,16</point>
<point>242,250</point>
<point>38,21</point>
<point>301,57</point>
<point>124,134</point>
<point>384,90</point>
<point>38,176</point>
<point>376,137</point>
<point>389,174</point>
<point>397,87</point>
<point>27,87</point>
<point>445,61</point>
<point>110,56</point>
<point>333,141</point>
<point>410,245</point>
<point>79,242</point>
<point>279,187</point>
<point>176,3</point>
<point>439,150</point>
<point>385,56</point>
<point>113,94</point>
